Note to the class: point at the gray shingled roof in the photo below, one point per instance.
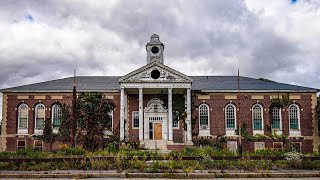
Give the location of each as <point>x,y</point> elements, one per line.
<point>110,83</point>
<point>230,83</point>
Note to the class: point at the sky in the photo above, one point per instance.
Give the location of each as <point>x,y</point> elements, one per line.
<point>273,39</point>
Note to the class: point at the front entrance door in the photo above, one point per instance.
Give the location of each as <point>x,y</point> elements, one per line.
<point>157,131</point>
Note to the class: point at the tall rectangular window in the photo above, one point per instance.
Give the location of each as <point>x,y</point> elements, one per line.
<point>257,117</point>
<point>23,116</point>
<point>204,116</point>
<point>40,116</point>
<point>150,130</point>
<point>135,119</point>
<point>275,121</point>
<point>294,116</point>
<point>175,121</point>
<point>56,115</point>
<point>230,117</point>
<point>110,120</point>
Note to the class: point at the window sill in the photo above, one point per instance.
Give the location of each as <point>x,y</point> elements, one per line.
<point>260,131</point>
<point>204,132</point>
<point>230,132</point>
<point>294,133</point>
<point>22,131</point>
<point>277,131</point>
<point>38,131</point>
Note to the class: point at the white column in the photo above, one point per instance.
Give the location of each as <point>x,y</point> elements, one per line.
<point>188,120</point>
<point>126,121</point>
<point>170,113</point>
<point>122,114</point>
<point>140,114</point>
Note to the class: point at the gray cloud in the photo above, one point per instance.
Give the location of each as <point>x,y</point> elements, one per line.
<point>275,40</point>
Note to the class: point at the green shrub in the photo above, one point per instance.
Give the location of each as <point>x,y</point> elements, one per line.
<point>269,153</point>
<point>71,151</point>
<point>310,164</point>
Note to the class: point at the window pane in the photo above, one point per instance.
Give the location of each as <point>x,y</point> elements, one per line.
<point>110,120</point>
<point>257,117</point>
<point>21,143</point>
<point>23,116</point>
<point>293,116</point>
<point>40,115</point>
<point>175,121</point>
<point>230,117</point>
<point>135,119</point>
<point>275,121</point>
<point>56,115</point>
<point>203,112</point>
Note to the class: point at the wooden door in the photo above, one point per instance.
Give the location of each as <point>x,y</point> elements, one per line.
<point>157,131</point>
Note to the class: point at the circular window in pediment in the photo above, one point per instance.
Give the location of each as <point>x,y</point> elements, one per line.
<point>154,49</point>
<point>155,74</point>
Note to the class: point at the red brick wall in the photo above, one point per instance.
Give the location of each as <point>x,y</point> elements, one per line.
<point>13,104</point>
<point>12,117</point>
<point>218,102</point>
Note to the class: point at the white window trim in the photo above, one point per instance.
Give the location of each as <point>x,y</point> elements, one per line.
<point>204,132</point>
<point>34,144</point>
<point>52,113</point>
<point>235,116</point>
<point>208,111</point>
<point>36,112</point>
<point>258,131</point>
<point>294,132</point>
<point>107,131</point>
<point>25,144</point>
<point>178,124</point>
<point>278,131</point>
<point>19,129</point>
<point>258,148</point>
<point>111,114</point>
<point>230,148</point>
<point>298,111</point>
<point>133,119</point>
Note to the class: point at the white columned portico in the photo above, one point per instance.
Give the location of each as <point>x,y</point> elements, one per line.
<point>141,114</point>
<point>122,114</point>
<point>170,113</point>
<point>188,121</point>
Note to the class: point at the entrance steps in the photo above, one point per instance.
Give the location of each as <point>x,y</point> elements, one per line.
<point>155,144</point>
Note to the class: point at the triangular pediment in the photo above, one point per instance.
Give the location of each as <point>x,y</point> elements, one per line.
<point>155,72</point>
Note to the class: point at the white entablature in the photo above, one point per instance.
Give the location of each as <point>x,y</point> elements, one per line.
<point>155,72</point>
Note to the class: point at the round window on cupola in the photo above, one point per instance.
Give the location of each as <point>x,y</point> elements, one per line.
<point>154,49</point>
<point>155,74</point>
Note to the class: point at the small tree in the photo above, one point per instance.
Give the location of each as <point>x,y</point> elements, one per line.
<point>48,135</point>
<point>64,129</point>
<point>93,119</point>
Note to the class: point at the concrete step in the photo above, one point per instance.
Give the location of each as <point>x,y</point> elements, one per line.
<point>155,144</point>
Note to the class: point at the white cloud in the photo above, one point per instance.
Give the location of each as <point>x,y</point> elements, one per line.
<point>272,39</point>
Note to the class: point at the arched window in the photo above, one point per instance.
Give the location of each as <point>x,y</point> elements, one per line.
<point>294,116</point>
<point>204,116</point>
<point>56,115</point>
<point>39,116</point>
<point>23,116</point>
<point>230,116</point>
<point>257,117</point>
<point>276,118</point>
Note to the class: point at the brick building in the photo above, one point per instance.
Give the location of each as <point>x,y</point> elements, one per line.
<point>145,100</point>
